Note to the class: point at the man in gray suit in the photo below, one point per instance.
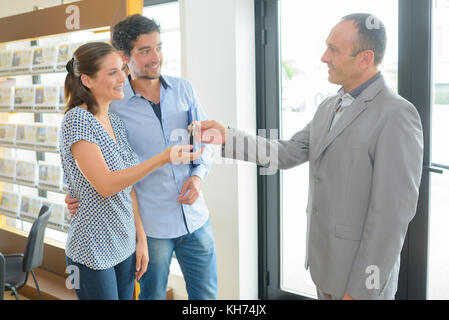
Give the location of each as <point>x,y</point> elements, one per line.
<point>364,146</point>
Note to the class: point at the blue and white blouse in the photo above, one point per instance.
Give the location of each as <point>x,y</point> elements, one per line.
<point>102,232</point>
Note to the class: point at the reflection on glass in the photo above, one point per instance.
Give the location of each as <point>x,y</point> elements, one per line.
<point>305,26</point>
<point>438,256</point>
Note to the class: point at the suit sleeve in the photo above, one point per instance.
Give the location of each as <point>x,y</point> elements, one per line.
<point>394,195</point>
<point>270,153</point>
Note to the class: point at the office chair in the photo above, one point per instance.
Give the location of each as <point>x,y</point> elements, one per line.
<point>2,275</point>
<point>19,266</point>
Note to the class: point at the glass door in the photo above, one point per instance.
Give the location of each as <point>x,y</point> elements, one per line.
<point>292,82</point>
<point>438,255</point>
<point>304,27</point>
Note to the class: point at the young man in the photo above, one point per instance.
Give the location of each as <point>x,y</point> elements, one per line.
<point>365,148</point>
<point>175,217</point>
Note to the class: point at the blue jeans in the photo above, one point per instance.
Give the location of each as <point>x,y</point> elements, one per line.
<point>196,257</point>
<point>115,283</point>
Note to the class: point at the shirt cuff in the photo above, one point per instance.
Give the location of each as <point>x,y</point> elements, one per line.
<point>199,171</point>
<point>227,148</point>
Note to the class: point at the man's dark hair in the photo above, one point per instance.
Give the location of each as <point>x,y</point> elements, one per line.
<point>371,35</point>
<point>127,31</point>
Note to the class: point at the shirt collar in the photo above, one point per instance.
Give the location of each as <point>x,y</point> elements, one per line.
<point>357,91</point>
<point>349,97</point>
<point>346,98</point>
<point>129,92</point>
<point>164,82</point>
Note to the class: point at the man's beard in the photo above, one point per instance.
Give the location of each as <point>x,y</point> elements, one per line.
<point>144,75</point>
<point>148,77</point>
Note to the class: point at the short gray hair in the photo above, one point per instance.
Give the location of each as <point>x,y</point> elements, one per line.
<point>371,34</point>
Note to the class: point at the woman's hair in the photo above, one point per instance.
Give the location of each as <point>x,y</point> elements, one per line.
<point>87,59</point>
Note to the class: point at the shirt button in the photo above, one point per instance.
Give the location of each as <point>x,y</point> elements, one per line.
<point>314,210</point>
<point>316,179</point>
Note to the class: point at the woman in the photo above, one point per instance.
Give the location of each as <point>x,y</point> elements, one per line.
<point>100,169</point>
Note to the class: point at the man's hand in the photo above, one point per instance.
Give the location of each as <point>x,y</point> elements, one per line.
<point>347,297</point>
<point>210,131</point>
<point>72,205</point>
<point>193,187</point>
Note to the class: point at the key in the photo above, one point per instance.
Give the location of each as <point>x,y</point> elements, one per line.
<point>191,129</point>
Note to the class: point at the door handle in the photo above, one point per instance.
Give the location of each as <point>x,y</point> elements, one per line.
<point>436,168</point>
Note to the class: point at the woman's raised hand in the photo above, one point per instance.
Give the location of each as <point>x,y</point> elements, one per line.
<point>182,154</point>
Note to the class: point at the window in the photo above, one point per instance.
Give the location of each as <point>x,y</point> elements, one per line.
<point>167,15</point>
<point>438,260</point>
<point>442,93</point>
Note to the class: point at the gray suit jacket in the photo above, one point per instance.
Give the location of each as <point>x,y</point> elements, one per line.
<point>363,187</point>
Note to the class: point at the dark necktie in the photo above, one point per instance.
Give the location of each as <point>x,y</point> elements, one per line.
<point>334,112</point>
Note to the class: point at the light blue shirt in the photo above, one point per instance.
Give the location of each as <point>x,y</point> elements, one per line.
<point>162,215</point>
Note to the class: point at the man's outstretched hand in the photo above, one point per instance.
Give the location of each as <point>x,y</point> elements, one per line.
<point>210,131</point>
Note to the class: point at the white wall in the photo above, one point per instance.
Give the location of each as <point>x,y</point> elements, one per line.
<point>219,60</point>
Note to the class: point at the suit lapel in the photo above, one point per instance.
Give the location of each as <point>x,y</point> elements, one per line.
<point>346,119</point>
<point>349,115</point>
<point>324,128</point>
